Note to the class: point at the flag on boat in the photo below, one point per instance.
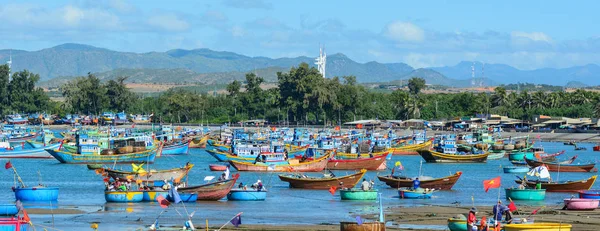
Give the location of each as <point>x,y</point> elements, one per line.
<point>174,195</point>
<point>332,190</point>
<point>512,207</point>
<point>164,203</point>
<point>8,165</point>
<point>237,220</point>
<point>399,165</point>
<point>493,183</point>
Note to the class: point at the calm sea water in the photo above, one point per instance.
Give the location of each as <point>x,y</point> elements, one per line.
<point>82,189</point>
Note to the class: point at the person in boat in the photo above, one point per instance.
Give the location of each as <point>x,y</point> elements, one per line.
<point>285,154</point>
<point>222,177</point>
<point>241,185</point>
<point>226,173</point>
<point>416,184</point>
<point>365,185</point>
<point>258,159</point>
<point>264,158</point>
<point>258,185</point>
<point>538,184</point>
<point>508,215</point>
<point>472,219</point>
<point>166,185</point>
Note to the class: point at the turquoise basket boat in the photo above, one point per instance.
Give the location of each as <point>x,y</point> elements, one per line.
<point>516,169</point>
<point>457,224</point>
<point>526,194</point>
<point>8,210</point>
<point>518,156</point>
<point>36,194</point>
<point>358,194</point>
<point>246,195</point>
<point>410,194</point>
<point>123,196</point>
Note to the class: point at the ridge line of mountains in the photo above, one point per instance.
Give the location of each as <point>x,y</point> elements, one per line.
<point>61,63</point>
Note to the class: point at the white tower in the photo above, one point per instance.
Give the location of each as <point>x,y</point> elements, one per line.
<point>9,62</point>
<point>321,61</point>
<point>482,75</point>
<point>473,75</point>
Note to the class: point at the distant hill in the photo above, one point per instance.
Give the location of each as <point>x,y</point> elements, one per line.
<point>435,78</point>
<point>576,84</point>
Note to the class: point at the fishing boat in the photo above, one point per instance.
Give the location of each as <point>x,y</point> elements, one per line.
<point>107,117</point>
<point>152,196</point>
<point>8,210</point>
<point>151,177</point>
<point>562,186</point>
<point>555,167</point>
<point>362,163</point>
<point>199,142</point>
<point>6,151</point>
<point>141,119</point>
<point>123,196</point>
<point>217,167</point>
<point>581,204</point>
<point>308,166</point>
<point>247,195</point>
<point>409,149</point>
<point>14,223</point>
<point>444,183</point>
<point>525,194</point>
<point>306,182</point>
<point>414,194</point>
<point>519,156</point>
<point>121,118</point>
<point>67,157</point>
<point>496,154</point>
<point>538,227</point>
<point>515,169</point>
<point>176,148</point>
<point>358,194</point>
<point>16,119</point>
<point>590,194</point>
<point>370,226</point>
<point>438,157</point>
<point>211,191</point>
<point>344,155</point>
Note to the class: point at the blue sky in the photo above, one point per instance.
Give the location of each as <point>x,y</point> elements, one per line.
<point>524,34</point>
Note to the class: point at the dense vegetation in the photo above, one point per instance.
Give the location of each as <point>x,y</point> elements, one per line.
<point>531,87</point>
<point>301,95</point>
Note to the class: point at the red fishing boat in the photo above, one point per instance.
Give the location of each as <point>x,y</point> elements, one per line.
<point>308,166</point>
<point>560,167</point>
<point>306,182</point>
<point>372,163</point>
<point>211,191</point>
<point>564,186</point>
<point>444,183</point>
<point>217,167</point>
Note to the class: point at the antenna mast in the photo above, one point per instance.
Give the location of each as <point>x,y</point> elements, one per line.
<point>473,75</point>
<point>321,61</point>
<point>482,75</point>
<point>9,62</point>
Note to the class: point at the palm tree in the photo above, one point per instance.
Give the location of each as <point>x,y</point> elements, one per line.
<point>500,97</point>
<point>553,100</point>
<point>524,100</point>
<point>539,99</point>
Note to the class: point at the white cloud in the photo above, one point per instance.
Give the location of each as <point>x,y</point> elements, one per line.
<point>31,16</point>
<point>169,22</point>
<point>404,31</point>
<point>238,31</point>
<point>533,36</point>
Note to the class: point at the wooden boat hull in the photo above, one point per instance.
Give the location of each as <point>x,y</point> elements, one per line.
<point>444,183</point>
<point>571,186</point>
<point>590,194</point>
<point>515,169</point>
<point>437,157</point>
<point>366,226</point>
<point>246,195</point>
<point>348,181</point>
<point>409,149</point>
<point>351,156</point>
<point>408,194</point>
<point>538,227</point>
<point>73,158</point>
<point>562,167</point>
<point>356,164</point>
<point>310,166</point>
<point>217,167</point>
<point>123,196</point>
<point>8,210</point>
<point>151,176</point>
<point>40,153</point>
<point>526,194</point>
<point>211,191</point>
<point>357,194</point>
<point>199,143</point>
<point>176,149</point>
<point>153,195</point>
<point>581,204</point>
<point>36,194</point>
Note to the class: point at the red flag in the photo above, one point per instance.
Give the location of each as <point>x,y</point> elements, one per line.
<point>164,203</point>
<point>133,125</point>
<point>535,211</point>
<point>512,207</point>
<point>8,165</point>
<point>332,190</point>
<point>26,216</point>
<point>493,183</point>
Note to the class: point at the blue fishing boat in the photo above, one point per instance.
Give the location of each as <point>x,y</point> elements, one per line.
<point>152,195</point>
<point>16,119</point>
<point>178,148</point>
<point>246,195</point>
<point>123,196</point>
<point>121,118</point>
<point>185,197</point>
<point>515,169</point>
<point>590,194</point>
<point>519,156</point>
<point>11,152</point>
<point>8,210</point>
<point>74,158</point>
<point>414,194</point>
<point>14,223</point>
<point>36,193</point>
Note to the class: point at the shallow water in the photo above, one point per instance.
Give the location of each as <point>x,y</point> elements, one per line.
<point>82,189</point>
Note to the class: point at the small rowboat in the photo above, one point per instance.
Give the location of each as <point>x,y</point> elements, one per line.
<point>358,194</point>
<point>414,194</point>
<point>246,195</point>
<point>179,148</point>
<point>564,186</point>
<point>410,149</point>
<point>538,227</point>
<point>496,155</point>
<point>217,167</point>
<point>556,167</point>
<point>444,183</point>
<point>301,181</point>
<point>581,204</point>
<point>8,210</point>
<point>370,226</point>
<point>526,194</point>
<point>590,194</point>
<point>94,166</point>
<point>515,169</point>
<point>152,177</point>
<point>309,166</point>
<point>212,191</point>
<point>36,193</point>
<point>437,157</point>
<point>356,164</point>
<point>123,196</point>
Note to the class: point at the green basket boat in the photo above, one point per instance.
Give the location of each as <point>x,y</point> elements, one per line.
<point>358,194</point>
<point>526,194</point>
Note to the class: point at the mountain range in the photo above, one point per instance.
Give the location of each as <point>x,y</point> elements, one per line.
<point>63,62</point>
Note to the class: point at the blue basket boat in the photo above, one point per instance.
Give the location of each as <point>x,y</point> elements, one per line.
<point>246,195</point>
<point>36,194</point>
<point>123,196</point>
